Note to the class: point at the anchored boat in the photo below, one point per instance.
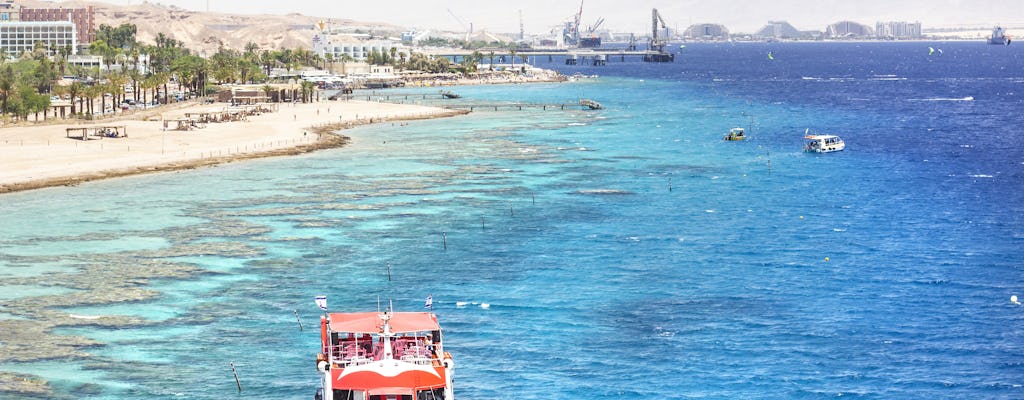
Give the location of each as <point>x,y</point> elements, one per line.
<point>591,104</point>
<point>999,36</point>
<point>383,356</point>
<point>736,134</point>
<point>823,143</point>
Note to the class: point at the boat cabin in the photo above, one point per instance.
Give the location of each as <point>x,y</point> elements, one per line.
<point>823,143</point>
<point>383,356</point>
<point>736,134</point>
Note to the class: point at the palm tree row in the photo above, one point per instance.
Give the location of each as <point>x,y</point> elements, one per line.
<point>140,72</point>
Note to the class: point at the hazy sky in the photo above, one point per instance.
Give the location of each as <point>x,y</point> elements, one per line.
<point>541,15</point>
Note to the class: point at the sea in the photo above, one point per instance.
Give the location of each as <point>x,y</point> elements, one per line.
<point>623,253</point>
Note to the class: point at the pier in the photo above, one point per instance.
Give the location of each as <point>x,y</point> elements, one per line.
<point>596,57</point>
<point>515,106</point>
<point>439,100</point>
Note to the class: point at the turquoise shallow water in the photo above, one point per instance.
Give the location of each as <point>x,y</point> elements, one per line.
<point>628,252</point>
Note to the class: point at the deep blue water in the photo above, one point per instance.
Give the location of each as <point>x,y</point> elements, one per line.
<point>623,253</point>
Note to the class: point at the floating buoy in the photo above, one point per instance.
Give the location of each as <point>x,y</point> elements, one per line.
<point>801,217</point>
<point>1013,299</point>
<point>826,259</point>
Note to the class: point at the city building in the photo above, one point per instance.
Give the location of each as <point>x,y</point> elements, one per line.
<point>356,46</point>
<point>81,17</point>
<point>779,30</point>
<point>87,62</point>
<point>23,27</point>
<point>706,32</point>
<point>848,29</point>
<point>9,11</point>
<point>898,30</point>
<point>17,37</point>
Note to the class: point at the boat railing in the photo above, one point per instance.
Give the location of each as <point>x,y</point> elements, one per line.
<point>349,353</point>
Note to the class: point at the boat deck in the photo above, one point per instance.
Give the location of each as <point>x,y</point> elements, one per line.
<point>358,351</point>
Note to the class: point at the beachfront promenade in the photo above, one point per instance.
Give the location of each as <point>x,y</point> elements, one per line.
<point>36,156</point>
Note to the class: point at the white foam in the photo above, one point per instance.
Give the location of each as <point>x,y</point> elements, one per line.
<point>460,304</point>
<point>968,98</point>
<point>89,317</point>
<point>485,305</point>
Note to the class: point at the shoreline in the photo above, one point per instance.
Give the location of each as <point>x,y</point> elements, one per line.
<point>41,156</point>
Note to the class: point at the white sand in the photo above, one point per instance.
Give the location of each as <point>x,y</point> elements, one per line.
<point>42,155</point>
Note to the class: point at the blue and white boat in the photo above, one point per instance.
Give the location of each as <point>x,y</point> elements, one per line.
<point>999,36</point>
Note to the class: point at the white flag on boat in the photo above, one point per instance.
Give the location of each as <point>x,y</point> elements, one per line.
<point>430,302</point>
<point>321,301</point>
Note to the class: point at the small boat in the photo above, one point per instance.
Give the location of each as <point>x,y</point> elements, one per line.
<point>999,36</point>
<point>823,143</point>
<point>383,356</point>
<point>735,134</point>
<point>450,95</point>
<point>590,104</point>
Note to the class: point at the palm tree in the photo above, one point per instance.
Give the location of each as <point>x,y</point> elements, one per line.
<point>73,91</point>
<point>117,81</point>
<point>267,60</point>
<point>251,48</point>
<point>267,90</point>
<point>90,93</point>
<point>307,91</point>
<point>7,86</point>
<point>344,59</point>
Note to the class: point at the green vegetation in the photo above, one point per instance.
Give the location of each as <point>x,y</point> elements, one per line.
<point>142,72</point>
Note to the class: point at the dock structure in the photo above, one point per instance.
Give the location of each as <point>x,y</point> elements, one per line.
<point>387,96</point>
<point>516,106</point>
<point>597,57</point>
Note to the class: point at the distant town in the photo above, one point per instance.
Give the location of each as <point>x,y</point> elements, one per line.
<point>62,62</point>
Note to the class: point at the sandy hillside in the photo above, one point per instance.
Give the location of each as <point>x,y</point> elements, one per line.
<point>208,31</point>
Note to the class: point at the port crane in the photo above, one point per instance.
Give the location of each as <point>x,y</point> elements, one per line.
<point>572,32</point>
<point>591,29</point>
<point>657,46</point>
<point>522,32</point>
<point>467,27</point>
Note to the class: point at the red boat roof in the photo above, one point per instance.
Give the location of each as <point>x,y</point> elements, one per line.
<point>370,322</point>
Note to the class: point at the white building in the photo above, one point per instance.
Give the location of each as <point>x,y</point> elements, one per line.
<point>358,47</point>
<point>87,62</point>
<point>17,37</point>
<point>898,30</point>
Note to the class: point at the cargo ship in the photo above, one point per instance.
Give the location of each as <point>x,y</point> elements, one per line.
<point>999,36</point>
<point>590,42</point>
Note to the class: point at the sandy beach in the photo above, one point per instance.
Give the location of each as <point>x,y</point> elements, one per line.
<point>36,156</point>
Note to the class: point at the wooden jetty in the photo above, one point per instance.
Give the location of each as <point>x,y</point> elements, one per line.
<point>514,106</point>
